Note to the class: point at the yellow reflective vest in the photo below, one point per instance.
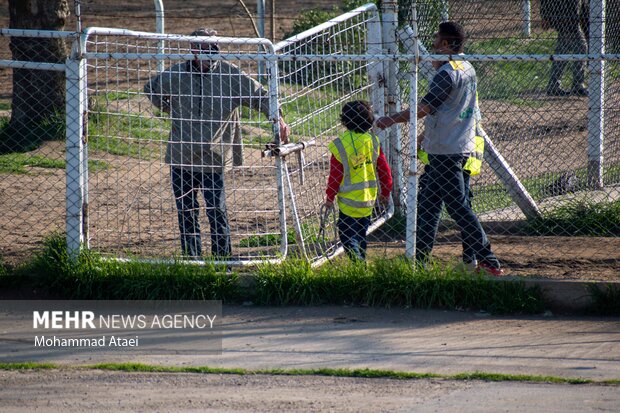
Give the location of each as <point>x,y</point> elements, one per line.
<point>358,154</point>
<point>473,164</point>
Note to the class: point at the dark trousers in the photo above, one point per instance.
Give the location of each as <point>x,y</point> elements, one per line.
<point>571,39</point>
<point>443,182</point>
<point>352,232</point>
<point>187,185</point>
<point>468,253</point>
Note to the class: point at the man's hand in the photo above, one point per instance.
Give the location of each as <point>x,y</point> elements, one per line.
<point>384,122</point>
<point>284,132</point>
<point>328,204</point>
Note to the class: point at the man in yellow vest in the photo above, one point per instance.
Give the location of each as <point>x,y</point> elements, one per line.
<point>449,109</point>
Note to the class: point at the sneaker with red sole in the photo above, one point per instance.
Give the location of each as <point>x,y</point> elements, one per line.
<point>486,268</point>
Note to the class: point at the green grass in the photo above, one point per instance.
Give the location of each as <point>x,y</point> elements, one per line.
<point>299,112</point>
<point>394,282</point>
<point>497,377</point>
<point>114,96</point>
<point>94,278</point>
<point>384,283</point>
<point>605,301</point>
<point>580,218</point>
<point>330,372</point>
<point>510,81</point>
<point>28,366</point>
<point>494,197</point>
<point>267,240</point>
<point>18,163</point>
<point>5,105</point>
<point>29,136</point>
<point>127,134</point>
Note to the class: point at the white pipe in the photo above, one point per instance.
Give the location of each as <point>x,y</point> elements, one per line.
<point>75,111</point>
<point>326,25</point>
<point>527,18</point>
<point>17,64</point>
<point>445,13</point>
<point>412,183</point>
<point>260,11</point>
<point>348,58</point>
<point>47,34</point>
<point>159,27</point>
<point>274,117</point>
<point>390,67</point>
<point>596,95</point>
<point>375,71</point>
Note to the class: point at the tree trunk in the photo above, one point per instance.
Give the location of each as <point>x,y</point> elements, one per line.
<point>38,95</point>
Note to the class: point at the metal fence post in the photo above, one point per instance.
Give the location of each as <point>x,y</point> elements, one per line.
<point>412,184</point>
<point>75,131</point>
<point>274,116</point>
<point>527,18</point>
<point>389,26</point>
<point>596,93</point>
<point>375,70</point>
<point>159,27</point>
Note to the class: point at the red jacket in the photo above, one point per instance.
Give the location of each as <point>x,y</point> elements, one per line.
<point>336,173</point>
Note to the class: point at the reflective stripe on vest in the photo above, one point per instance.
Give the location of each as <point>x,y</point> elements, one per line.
<point>357,199</point>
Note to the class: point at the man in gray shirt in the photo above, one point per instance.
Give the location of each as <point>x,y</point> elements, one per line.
<point>202,98</point>
<point>450,111</point>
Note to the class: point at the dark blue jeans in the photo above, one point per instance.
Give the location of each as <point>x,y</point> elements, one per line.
<point>468,254</point>
<point>443,182</point>
<point>187,185</point>
<point>352,232</point>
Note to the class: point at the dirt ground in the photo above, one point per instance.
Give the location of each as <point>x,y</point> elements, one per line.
<point>100,391</point>
<point>33,203</point>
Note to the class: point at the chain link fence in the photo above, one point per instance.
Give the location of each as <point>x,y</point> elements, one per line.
<point>547,194</point>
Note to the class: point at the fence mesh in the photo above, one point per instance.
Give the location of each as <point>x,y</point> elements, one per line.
<point>536,113</point>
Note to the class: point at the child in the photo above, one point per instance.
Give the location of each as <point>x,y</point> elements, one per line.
<point>357,163</point>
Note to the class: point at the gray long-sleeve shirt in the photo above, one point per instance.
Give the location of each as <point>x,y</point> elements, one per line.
<point>203,109</point>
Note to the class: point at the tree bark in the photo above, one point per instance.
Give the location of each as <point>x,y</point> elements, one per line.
<point>37,94</point>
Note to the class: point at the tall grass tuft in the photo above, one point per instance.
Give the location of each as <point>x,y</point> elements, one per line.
<point>92,277</point>
<point>605,301</point>
<point>601,219</point>
<point>382,282</point>
<point>394,282</point>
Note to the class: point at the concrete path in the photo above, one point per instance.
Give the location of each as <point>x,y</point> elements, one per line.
<point>398,339</point>
<point>344,337</point>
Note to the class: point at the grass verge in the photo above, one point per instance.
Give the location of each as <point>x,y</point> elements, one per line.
<point>93,278</point>
<point>393,282</point>
<point>387,283</point>
<point>364,373</point>
<point>18,163</point>
<point>583,218</point>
